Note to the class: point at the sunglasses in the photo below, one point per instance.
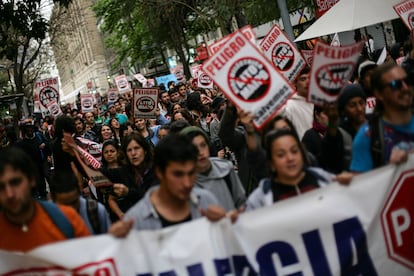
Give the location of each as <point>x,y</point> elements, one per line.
<point>396,85</point>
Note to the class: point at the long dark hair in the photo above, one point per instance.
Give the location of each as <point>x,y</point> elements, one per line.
<point>148,150</point>
<point>115,144</point>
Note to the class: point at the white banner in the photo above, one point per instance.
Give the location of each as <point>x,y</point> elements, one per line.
<point>405,11</point>
<point>54,108</point>
<point>365,228</point>
<point>332,67</point>
<point>308,56</point>
<point>248,79</point>
<point>283,53</point>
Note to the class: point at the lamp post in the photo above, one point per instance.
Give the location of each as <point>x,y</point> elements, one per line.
<point>287,25</point>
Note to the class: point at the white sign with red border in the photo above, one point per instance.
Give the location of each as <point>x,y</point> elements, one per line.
<point>86,102</point>
<point>283,53</point>
<point>122,84</point>
<point>248,78</point>
<point>308,56</point>
<point>246,30</point>
<point>195,69</point>
<point>112,95</point>
<point>405,11</point>
<point>145,103</point>
<point>140,78</point>
<point>332,67</point>
<point>204,81</point>
<point>47,91</point>
<point>54,108</point>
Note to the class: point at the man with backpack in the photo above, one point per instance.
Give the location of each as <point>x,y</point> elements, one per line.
<point>389,135</point>
<point>24,222</point>
<point>64,190</point>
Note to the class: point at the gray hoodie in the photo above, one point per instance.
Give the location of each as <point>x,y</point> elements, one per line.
<point>215,182</point>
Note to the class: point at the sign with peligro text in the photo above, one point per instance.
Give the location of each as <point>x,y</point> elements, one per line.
<point>247,31</point>
<point>248,79</point>
<point>405,10</point>
<point>332,67</point>
<point>283,53</point>
<point>145,103</point>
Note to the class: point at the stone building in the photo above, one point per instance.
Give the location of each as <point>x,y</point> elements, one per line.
<point>79,50</point>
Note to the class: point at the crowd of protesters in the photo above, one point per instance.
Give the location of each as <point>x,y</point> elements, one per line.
<point>200,156</point>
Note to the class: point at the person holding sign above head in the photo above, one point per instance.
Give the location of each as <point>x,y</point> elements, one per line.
<point>297,109</point>
<point>175,200</point>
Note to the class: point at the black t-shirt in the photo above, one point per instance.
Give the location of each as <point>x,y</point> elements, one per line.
<point>165,222</point>
<point>282,191</point>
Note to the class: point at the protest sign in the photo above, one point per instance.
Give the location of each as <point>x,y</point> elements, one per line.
<point>145,103</point>
<point>140,78</point>
<point>112,95</point>
<point>354,236</point>
<point>308,56</point>
<point>54,108</point>
<point>247,31</point>
<point>195,69</point>
<point>164,80</point>
<point>332,67</point>
<point>122,84</point>
<point>248,79</point>
<point>282,52</point>
<point>323,6</point>
<point>405,11</point>
<point>47,90</point>
<point>86,102</point>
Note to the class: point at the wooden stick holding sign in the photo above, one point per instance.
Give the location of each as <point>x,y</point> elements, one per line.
<point>86,160</point>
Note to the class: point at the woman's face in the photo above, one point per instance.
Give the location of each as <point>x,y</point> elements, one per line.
<point>135,153</point>
<point>115,124</point>
<point>110,154</point>
<point>287,159</point>
<point>355,109</point>
<point>106,133</point>
<point>176,107</point>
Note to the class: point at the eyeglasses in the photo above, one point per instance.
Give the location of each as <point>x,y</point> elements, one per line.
<point>396,85</point>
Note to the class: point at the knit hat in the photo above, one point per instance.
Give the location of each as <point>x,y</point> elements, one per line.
<point>349,92</point>
<point>364,67</point>
<point>191,130</point>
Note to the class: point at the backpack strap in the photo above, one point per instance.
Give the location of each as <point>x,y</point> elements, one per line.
<point>58,218</point>
<point>228,183</point>
<point>93,215</point>
<point>377,141</point>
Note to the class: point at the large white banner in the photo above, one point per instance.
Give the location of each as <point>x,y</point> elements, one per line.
<point>405,11</point>
<point>365,228</point>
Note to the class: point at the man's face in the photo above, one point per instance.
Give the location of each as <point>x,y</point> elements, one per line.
<point>203,162</point>
<point>165,98</point>
<point>183,91</point>
<point>175,97</point>
<point>140,124</point>
<point>15,192</point>
<point>178,179</point>
<point>302,85</point>
<point>396,94</point>
<point>78,126</point>
<point>89,119</point>
<point>118,107</point>
<point>112,110</point>
<point>69,199</point>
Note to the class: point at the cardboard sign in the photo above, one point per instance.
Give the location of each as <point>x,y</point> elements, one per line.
<point>178,71</point>
<point>47,91</point>
<point>246,30</point>
<point>323,6</point>
<point>248,79</point>
<point>54,109</point>
<point>112,95</point>
<point>308,56</point>
<point>86,103</point>
<point>283,53</point>
<point>332,67</point>
<point>145,103</point>
<point>195,69</point>
<point>405,11</point>
<point>122,84</point>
